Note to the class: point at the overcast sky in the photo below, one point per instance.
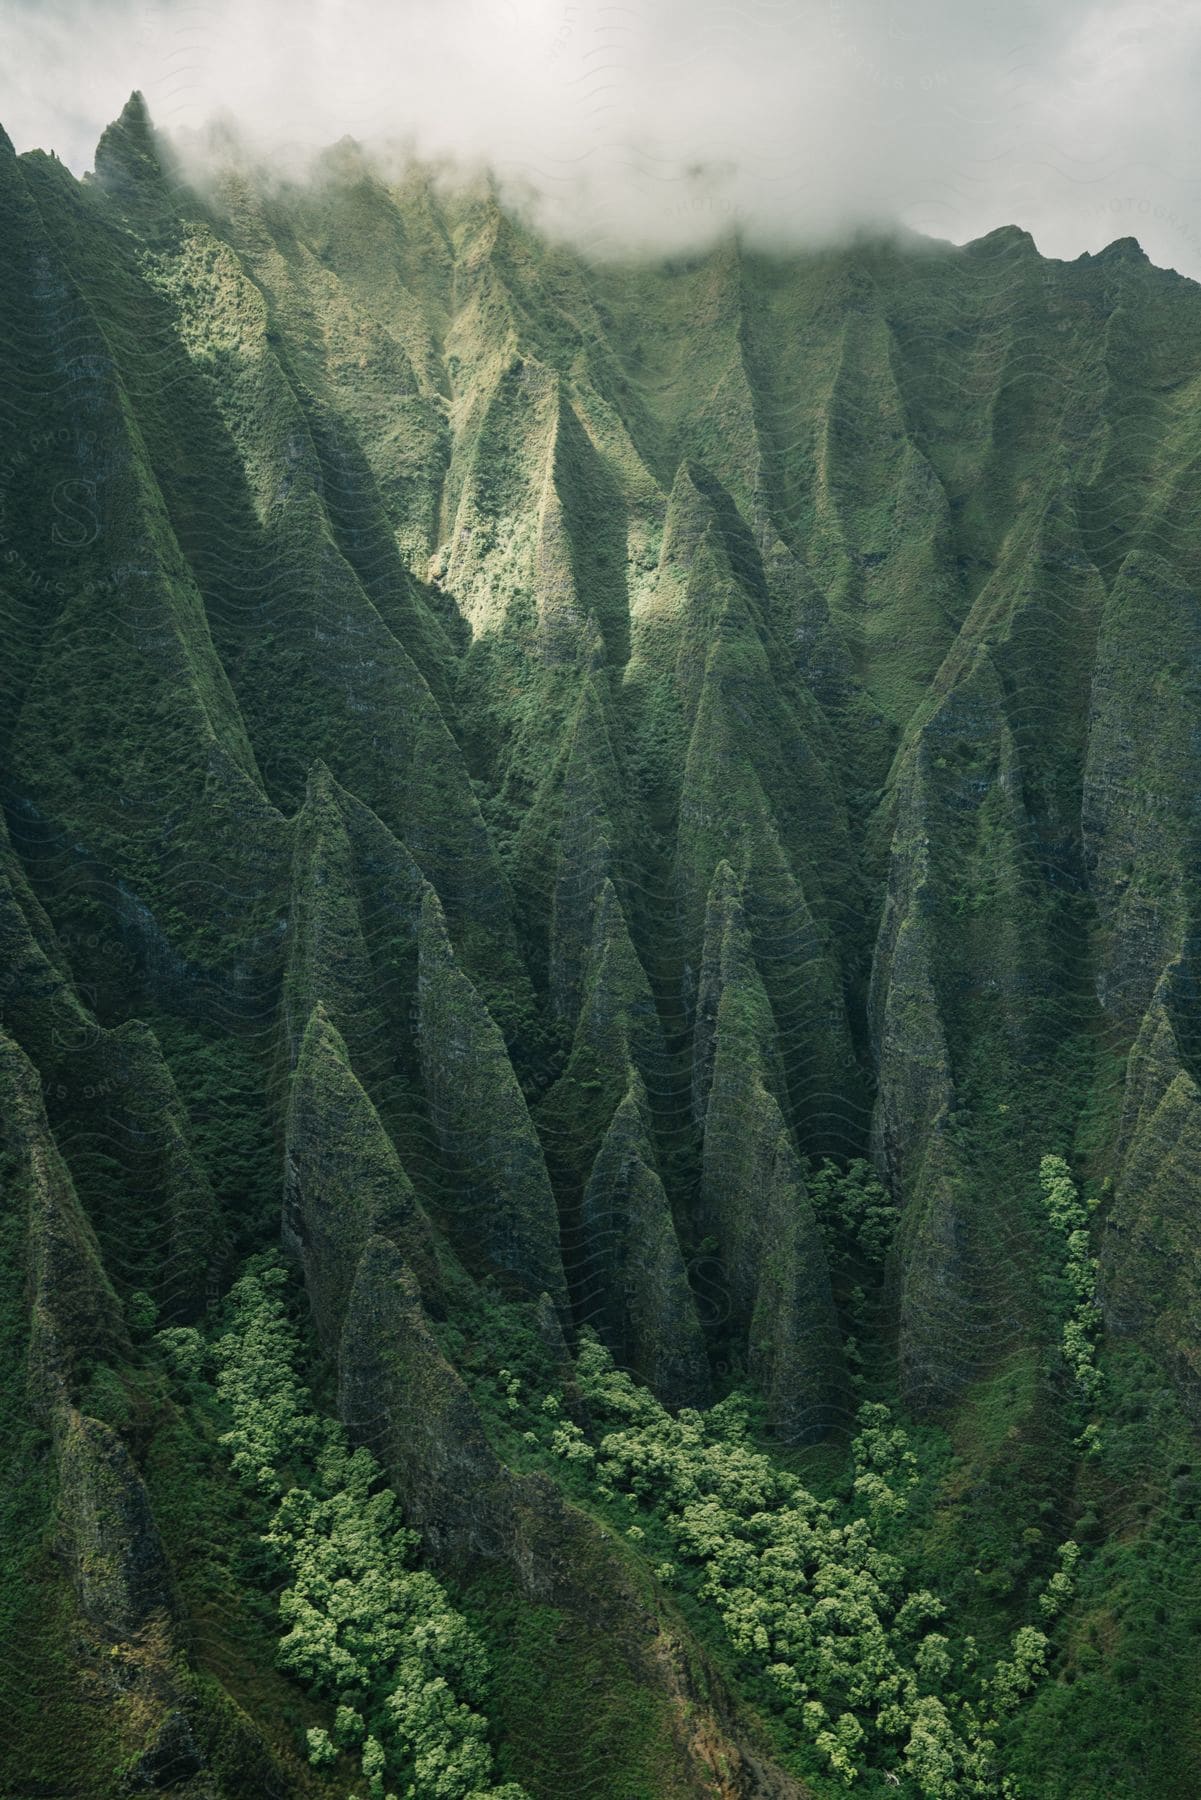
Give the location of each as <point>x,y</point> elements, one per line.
<point>663,121</point>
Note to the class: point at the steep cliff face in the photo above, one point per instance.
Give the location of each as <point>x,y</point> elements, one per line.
<point>1150,1282</point>
<point>779,1311</point>
<point>501,1207</point>
<point>525,776</point>
<point>1140,825</point>
<point>344,1183</point>
<point>1141,779</point>
<point>75,1319</point>
<point>956,976</point>
<point>633,1282</point>
<point>78,1515</point>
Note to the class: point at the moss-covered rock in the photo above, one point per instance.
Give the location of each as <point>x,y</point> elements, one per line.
<point>1149,1268</point>
<point>76,1321</point>
<point>961,960</point>
<point>587,854</point>
<point>1141,781</point>
<point>38,1003</point>
<point>115,1555</point>
<point>161,1229</point>
<point>500,1211</point>
<point>328,960</point>
<point>736,805</point>
<point>344,1183</point>
<point>399,1395</point>
<point>778,1312</point>
<point>728,963</point>
<point>356,542</point>
<point>617,1024</point>
<point>631,1283</point>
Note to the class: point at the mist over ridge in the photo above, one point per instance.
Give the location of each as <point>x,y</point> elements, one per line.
<point>660,128</point>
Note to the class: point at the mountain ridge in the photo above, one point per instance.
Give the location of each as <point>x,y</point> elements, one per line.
<point>533,775</point>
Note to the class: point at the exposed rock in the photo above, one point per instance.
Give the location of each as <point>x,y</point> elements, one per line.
<point>116,1558</point>
<point>172,1758</point>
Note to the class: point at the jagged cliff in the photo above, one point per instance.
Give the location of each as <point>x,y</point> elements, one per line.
<point>512,771</point>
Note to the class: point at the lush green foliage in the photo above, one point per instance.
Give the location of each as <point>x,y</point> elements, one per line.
<point>378,1637</point>
<point>1069,1218</point>
<point>857,1215</point>
<point>860,1663</point>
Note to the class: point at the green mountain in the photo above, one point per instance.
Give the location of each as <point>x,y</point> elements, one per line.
<point>599,1077</point>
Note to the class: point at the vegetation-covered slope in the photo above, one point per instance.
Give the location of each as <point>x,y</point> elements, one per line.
<point>598,934</point>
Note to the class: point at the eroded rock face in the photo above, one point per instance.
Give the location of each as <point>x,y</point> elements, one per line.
<point>501,1212</point>
<point>179,1251</point>
<point>948,1330</point>
<point>1141,835</point>
<point>398,1395</point>
<point>1141,781</point>
<point>749,758</point>
<point>616,1026</point>
<point>343,1181</point>
<point>329,962</point>
<point>127,1627</point>
<point>772,1254</point>
<point>76,1320</point>
<point>115,1555</point>
<point>172,1759</point>
<point>775,1283</point>
<point>588,854</point>
<point>632,1286</point>
<point>1152,1246</point>
<point>959,963</point>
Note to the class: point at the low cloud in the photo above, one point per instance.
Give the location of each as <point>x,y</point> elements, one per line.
<point>660,124</point>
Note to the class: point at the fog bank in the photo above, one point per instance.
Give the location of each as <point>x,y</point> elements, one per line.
<point>660,124</point>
